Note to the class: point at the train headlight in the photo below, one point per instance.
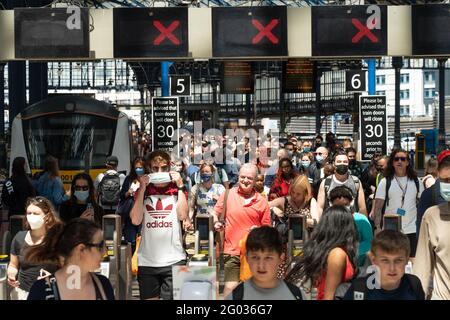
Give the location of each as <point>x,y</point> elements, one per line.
<point>70,107</point>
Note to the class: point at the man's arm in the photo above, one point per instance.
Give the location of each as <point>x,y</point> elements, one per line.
<point>321,198</point>
<point>362,201</point>
<point>137,212</point>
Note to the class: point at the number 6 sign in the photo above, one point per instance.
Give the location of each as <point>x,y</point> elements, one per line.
<point>355,80</point>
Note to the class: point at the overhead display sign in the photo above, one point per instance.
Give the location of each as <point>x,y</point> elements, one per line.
<point>237,77</point>
<point>373,126</point>
<point>165,115</point>
<point>430,29</point>
<point>44,33</point>
<point>150,32</point>
<point>355,80</point>
<point>299,76</point>
<point>249,31</point>
<point>349,30</point>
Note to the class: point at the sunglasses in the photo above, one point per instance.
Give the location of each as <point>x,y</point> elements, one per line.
<point>84,188</point>
<point>100,245</point>
<point>403,159</point>
<point>318,153</point>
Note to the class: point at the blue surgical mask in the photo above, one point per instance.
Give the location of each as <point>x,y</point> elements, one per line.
<point>306,164</point>
<point>81,195</point>
<point>139,171</point>
<point>445,191</point>
<point>319,158</point>
<point>205,177</point>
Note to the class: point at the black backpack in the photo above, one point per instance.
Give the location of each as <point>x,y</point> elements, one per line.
<point>238,292</point>
<point>109,189</point>
<point>327,186</point>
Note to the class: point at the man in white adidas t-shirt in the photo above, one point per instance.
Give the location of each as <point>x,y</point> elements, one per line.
<point>159,207</point>
<point>404,190</point>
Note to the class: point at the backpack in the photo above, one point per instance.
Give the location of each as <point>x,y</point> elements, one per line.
<point>360,288</point>
<point>281,223</point>
<point>386,198</point>
<point>327,186</point>
<point>109,189</point>
<point>238,292</point>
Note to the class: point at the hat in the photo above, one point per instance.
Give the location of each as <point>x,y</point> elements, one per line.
<point>112,161</point>
<point>443,155</point>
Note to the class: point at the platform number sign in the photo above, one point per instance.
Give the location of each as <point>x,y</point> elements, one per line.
<point>180,85</point>
<point>373,121</point>
<point>355,80</point>
<point>165,115</point>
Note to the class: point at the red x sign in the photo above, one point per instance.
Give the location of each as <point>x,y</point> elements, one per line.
<point>166,32</point>
<point>265,31</point>
<point>363,32</point>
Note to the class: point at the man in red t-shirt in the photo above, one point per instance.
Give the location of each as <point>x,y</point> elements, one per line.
<point>160,205</point>
<point>245,209</point>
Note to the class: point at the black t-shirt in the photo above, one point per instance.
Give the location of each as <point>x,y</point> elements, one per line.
<point>15,198</point>
<point>28,273</point>
<point>70,210</point>
<point>41,291</point>
<point>405,291</point>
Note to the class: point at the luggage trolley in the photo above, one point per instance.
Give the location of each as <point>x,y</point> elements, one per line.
<point>112,235</point>
<point>204,241</point>
<point>296,235</point>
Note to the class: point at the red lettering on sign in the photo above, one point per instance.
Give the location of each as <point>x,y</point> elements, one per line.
<point>265,31</point>
<point>363,32</point>
<point>166,32</point>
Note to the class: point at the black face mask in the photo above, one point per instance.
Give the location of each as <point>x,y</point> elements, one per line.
<point>318,144</point>
<point>352,162</point>
<point>341,169</point>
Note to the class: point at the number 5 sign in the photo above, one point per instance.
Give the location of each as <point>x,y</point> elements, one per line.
<point>180,85</point>
<point>355,80</point>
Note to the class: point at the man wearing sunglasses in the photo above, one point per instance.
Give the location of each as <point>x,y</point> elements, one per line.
<point>398,193</point>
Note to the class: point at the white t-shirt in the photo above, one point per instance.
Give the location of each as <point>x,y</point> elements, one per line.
<point>395,200</point>
<point>161,243</point>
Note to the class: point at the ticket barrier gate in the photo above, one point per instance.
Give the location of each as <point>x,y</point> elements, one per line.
<point>205,254</point>
<point>16,224</point>
<point>296,235</point>
<point>392,222</point>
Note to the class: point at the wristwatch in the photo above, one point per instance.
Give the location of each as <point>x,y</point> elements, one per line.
<point>182,188</point>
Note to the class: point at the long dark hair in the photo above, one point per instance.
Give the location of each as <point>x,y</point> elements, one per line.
<point>133,174</point>
<point>292,173</point>
<point>18,167</point>
<point>335,229</point>
<point>82,176</point>
<point>51,167</point>
<point>60,240</point>
<point>390,170</point>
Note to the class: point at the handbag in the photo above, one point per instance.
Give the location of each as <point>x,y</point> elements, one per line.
<point>124,207</point>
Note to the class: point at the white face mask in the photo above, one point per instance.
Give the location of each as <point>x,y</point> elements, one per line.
<point>159,177</point>
<point>35,221</point>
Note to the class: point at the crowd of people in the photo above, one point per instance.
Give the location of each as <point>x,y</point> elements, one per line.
<point>345,205</point>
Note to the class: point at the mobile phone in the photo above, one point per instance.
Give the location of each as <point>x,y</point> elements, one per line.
<point>392,222</point>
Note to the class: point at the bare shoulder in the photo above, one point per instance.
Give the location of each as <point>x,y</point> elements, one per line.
<point>337,257</point>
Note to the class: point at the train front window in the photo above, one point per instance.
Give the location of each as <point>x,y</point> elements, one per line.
<point>76,140</point>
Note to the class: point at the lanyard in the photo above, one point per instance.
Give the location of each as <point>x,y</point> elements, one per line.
<point>403,190</point>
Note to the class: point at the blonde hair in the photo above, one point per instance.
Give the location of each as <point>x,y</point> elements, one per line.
<point>302,184</point>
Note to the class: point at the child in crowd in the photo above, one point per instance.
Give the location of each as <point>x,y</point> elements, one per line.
<point>389,255</point>
<point>264,255</point>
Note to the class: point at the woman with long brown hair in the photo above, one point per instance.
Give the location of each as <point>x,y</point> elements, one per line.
<point>40,215</point>
<point>50,185</point>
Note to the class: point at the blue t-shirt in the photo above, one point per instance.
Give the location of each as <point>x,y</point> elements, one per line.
<point>403,292</point>
<point>365,236</point>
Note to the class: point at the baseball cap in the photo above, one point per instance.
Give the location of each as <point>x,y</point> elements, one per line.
<point>444,154</point>
<point>112,160</point>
